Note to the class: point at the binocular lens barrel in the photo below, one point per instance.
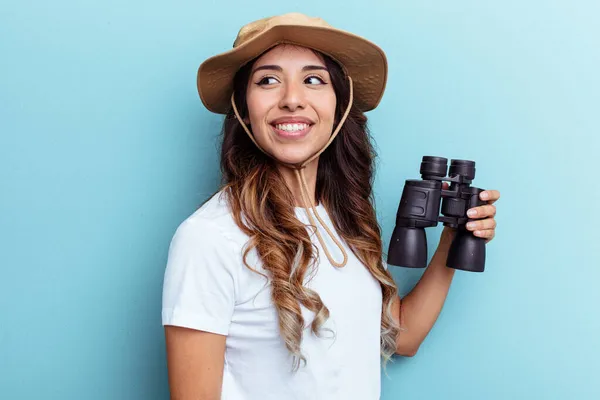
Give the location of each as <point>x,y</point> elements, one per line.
<point>465,168</point>
<point>436,166</point>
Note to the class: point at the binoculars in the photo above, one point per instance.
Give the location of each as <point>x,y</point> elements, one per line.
<point>420,207</point>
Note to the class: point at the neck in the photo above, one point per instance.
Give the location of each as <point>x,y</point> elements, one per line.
<point>310,175</point>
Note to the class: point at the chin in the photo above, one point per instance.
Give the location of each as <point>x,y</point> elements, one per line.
<point>293,156</point>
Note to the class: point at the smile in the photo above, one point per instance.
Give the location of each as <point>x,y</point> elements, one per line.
<point>294,131</point>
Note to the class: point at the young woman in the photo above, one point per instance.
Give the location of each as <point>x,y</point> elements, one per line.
<point>275,288</point>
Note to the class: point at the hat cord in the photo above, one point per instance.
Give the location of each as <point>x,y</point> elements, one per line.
<point>299,172</point>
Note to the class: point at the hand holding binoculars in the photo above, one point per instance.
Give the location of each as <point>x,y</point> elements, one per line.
<point>420,207</point>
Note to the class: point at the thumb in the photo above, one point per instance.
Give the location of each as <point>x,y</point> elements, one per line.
<point>445,185</point>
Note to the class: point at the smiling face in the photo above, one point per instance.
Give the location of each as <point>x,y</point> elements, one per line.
<point>291,103</point>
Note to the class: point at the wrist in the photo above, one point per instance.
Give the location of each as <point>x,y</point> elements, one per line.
<point>448,234</point>
<point>446,238</point>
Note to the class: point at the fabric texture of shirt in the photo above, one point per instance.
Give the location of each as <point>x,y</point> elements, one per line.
<point>207,287</point>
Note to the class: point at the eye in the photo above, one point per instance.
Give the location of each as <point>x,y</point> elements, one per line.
<point>264,79</point>
<point>313,77</point>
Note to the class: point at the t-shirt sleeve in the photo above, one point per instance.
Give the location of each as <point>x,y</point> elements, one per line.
<point>200,279</point>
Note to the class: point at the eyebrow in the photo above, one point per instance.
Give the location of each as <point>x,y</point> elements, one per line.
<point>278,68</point>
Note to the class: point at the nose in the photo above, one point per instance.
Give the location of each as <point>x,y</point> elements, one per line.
<point>292,96</point>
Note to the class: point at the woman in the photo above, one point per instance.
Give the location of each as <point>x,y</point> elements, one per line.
<point>252,309</point>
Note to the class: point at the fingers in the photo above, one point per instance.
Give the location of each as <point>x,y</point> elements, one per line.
<point>485,224</point>
<point>487,210</point>
<point>491,196</point>
<point>488,234</point>
<point>484,228</point>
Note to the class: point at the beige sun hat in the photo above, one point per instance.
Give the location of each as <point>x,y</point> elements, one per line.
<point>361,59</point>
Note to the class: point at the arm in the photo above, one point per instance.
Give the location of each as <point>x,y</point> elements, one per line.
<point>420,308</point>
<point>197,308</point>
<point>195,363</point>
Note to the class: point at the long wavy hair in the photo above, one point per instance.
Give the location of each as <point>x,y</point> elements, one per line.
<point>263,207</point>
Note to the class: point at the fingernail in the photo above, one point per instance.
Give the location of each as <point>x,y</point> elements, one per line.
<point>472,213</point>
<point>471,225</point>
<point>484,195</point>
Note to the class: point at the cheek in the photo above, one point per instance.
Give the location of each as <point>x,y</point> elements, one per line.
<point>258,107</point>
<point>257,115</point>
<point>325,106</point>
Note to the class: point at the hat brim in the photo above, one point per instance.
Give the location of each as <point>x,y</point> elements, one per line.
<point>363,60</point>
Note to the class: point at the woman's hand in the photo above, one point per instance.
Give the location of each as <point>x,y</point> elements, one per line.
<point>485,226</point>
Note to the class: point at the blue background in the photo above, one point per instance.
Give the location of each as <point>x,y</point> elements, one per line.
<point>105,148</point>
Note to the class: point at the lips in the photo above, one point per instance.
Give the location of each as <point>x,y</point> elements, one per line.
<point>295,134</point>
<point>292,120</point>
<point>292,126</point>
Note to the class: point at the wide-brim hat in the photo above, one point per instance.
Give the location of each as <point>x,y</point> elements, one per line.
<point>362,60</point>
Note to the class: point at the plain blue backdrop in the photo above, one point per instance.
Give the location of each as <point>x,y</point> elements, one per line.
<point>105,148</point>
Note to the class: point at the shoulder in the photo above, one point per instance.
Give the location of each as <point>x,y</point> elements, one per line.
<point>215,211</point>
<point>212,223</point>
<point>209,239</point>
<point>202,253</point>
<point>200,284</point>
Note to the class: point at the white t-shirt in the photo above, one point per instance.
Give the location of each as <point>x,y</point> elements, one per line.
<point>207,287</point>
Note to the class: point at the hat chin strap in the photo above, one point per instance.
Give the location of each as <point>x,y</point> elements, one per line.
<point>299,169</point>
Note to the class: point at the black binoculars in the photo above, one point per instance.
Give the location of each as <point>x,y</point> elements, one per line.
<point>420,207</point>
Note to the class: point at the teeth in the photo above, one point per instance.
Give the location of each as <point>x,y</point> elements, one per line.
<point>291,127</point>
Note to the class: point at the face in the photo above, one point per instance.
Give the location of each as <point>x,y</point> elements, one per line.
<point>291,103</point>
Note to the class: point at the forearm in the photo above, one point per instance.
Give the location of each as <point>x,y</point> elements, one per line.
<point>421,307</point>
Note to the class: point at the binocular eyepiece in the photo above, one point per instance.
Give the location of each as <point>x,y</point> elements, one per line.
<point>420,207</point>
